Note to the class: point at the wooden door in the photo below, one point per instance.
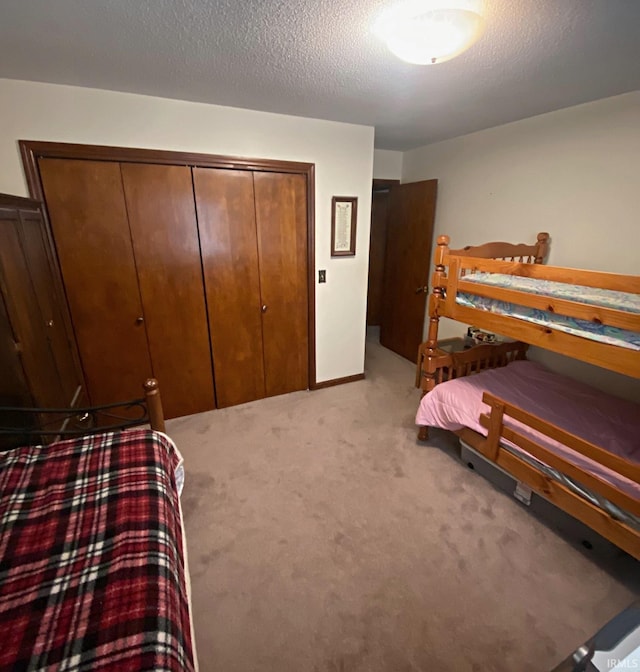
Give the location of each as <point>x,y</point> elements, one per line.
<point>52,305</point>
<point>164,233</point>
<point>407,259</point>
<point>226,219</point>
<point>88,216</point>
<point>28,326</point>
<point>281,219</point>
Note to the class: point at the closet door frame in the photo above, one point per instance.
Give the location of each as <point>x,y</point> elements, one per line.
<point>31,151</point>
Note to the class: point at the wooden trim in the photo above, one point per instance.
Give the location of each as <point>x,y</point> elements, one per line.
<point>615,531</point>
<point>338,381</point>
<point>599,279</point>
<point>32,150</point>
<point>311,266</point>
<point>22,202</point>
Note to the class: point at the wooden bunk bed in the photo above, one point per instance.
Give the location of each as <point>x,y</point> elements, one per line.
<point>93,570</point>
<point>507,434</point>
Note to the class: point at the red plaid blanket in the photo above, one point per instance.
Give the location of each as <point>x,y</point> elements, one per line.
<point>91,566</point>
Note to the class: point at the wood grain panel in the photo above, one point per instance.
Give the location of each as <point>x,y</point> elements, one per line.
<point>28,326</point>
<point>281,218</point>
<point>408,251</point>
<point>86,205</point>
<point>164,232</point>
<point>45,285</point>
<point>226,219</point>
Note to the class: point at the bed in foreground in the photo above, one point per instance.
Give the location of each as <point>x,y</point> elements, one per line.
<point>93,569</point>
<point>517,418</point>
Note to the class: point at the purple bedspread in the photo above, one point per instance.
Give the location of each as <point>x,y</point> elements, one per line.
<point>608,422</point>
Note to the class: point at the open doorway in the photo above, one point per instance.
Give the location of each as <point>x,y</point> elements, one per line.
<point>380,199</point>
<point>402,217</point>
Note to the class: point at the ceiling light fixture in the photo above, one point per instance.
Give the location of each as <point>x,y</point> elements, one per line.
<point>426,32</point>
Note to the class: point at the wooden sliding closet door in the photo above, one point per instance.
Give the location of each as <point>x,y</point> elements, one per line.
<point>88,217</point>
<point>226,217</point>
<point>281,216</point>
<point>164,232</point>
<point>253,232</point>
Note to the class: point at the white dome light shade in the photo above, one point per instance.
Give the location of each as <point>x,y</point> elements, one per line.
<point>426,32</point>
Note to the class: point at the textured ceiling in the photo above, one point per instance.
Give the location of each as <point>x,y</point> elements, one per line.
<point>319,58</point>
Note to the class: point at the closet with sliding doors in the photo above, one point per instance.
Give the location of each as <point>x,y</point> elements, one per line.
<point>194,274</point>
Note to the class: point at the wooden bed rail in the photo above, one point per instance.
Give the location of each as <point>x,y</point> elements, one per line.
<point>438,366</point>
<point>619,282</point>
<point>614,530</point>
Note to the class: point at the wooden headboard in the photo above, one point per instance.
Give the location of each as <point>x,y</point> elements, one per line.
<point>532,254</point>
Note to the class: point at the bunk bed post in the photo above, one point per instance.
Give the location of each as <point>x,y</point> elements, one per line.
<point>438,283</point>
<point>542,247</point>
<point>154,404</point>
<point>492,444</point>
<point>428,355</point>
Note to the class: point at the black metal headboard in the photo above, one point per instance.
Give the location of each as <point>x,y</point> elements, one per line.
<point>31,426</point>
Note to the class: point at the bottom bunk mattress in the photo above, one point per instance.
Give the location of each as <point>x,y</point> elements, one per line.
<point>92,561</point>
<point>609,422</point>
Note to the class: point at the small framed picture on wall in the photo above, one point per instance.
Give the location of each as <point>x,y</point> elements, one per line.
<point>344,212</point>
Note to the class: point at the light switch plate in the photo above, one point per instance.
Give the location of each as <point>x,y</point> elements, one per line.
<point>322,276</point>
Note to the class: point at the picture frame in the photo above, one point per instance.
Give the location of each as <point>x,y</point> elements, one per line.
<point>344,214</point>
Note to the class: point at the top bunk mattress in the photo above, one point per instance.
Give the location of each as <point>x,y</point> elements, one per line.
<point>601,333</point>
<point>604,420</point>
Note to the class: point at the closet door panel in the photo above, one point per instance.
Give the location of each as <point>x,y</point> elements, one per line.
<point>88,218</point>
<point>226,218</point>
<point>281,217</point>
<point>46,285</point>
<point>14,388</point>
<point>164,233</point>
<point>24,312</point>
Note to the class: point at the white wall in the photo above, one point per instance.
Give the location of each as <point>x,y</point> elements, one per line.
<point>387,164</point>
<point>342,153</point>
<point>574,173</point>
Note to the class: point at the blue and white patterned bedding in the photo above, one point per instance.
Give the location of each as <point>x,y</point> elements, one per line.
<point>571,325</point>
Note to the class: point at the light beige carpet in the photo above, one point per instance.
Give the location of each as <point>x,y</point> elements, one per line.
<point>323,538</point>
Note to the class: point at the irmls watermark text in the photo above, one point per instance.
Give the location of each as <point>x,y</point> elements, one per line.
<point>630,663</point>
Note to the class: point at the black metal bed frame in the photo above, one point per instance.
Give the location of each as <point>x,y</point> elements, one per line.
<point>96,420</point>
